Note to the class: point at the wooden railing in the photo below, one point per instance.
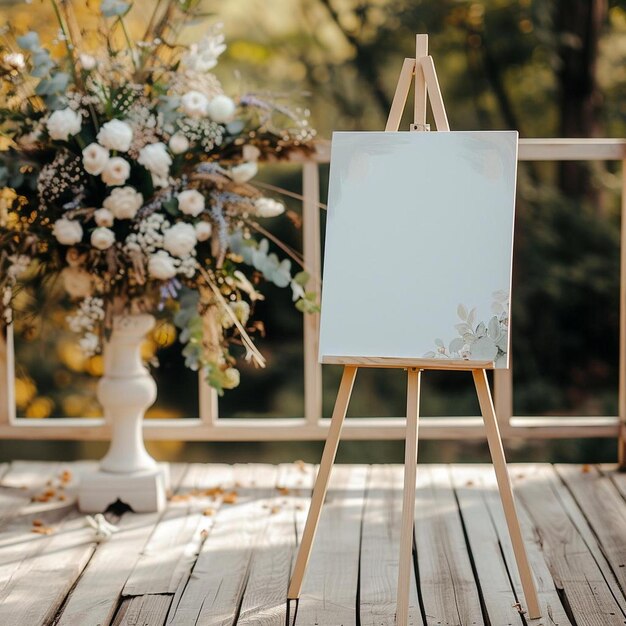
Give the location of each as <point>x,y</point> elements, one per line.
<point>209,426</point>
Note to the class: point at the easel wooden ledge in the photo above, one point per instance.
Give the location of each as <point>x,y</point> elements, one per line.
<point>426,83</point>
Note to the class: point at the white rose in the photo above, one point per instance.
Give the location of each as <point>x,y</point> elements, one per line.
<point>178,143</point>
<point>190,202</point>
<point>77,282</point>
<point>95,157</point>
<point>155,158</point>
<point>244,172</point>
<point>161,266</point>
<point>180,240</point>
<point>116,171</point>
<point>266,207</point>
<point>102,238</point>
<point>15,60</point>
<point>203,231</point>
<point>123,202</point>
<point>116,135</point>
<point>221,109</point>
<point>160,181</point>
<point>61,124</point>
<point>194,104</point>
<point>87,61</point>
<point>103,217</point>
<point>67,232</point>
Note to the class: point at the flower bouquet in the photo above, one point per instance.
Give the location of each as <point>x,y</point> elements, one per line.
<point>126,171</point>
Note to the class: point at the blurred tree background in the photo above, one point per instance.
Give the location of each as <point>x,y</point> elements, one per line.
<point>548,68</point>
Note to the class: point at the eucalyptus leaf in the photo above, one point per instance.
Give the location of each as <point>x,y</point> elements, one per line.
<point>456,345</point>
<point>493,328</point>
<point>29,41</point>
<point>462,312</point>
<point>503,341</point>
<point>483,349</point>
<point>481,329</point>
<point>114,8</point>
<point>302,278</point>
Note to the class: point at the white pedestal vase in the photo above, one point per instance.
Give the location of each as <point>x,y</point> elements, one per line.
<point>127,472</point>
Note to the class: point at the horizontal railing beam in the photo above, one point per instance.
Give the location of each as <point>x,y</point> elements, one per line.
<point>281,429</point>
<point>531,150</point>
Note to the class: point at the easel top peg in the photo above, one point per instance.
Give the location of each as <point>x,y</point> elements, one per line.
<point>421,71</point>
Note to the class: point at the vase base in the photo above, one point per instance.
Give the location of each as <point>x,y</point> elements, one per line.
<point>143,492</point>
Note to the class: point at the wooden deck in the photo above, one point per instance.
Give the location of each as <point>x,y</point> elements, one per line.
<point>222,551</point>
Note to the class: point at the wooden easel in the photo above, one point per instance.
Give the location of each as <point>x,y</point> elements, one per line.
<point>426,83</point>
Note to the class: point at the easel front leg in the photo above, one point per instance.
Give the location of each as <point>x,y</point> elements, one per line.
<point>408,501</point>
<point>506,492</point>
<point>321,482</point>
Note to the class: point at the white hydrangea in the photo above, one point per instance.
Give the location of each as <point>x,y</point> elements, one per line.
<point>102,238</point>
<point>116,135</point>
<point>87,61</point>
<point>194,104</point>
<point>267,207</point>
<point>63,123</point>
<point>95,158</point>
<point>89,313</point>
<point>67,232</point>
<point>161,266</point>
<point>190,202</point>
<point>89,344</point>
<point>15,60</point>
<point>221,109</point>
<point>149,237</point>
<point>123,202</point>
<point>115,172</point>
<point>202,56</point>
<point>180,239</point>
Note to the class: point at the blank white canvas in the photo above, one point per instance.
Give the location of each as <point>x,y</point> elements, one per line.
<point>419,243</point>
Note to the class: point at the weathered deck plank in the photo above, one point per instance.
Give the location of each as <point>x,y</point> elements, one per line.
<point>263,601</point>
<point>552,609</point>
<point>330,585</point>
<point>94,599</point>
<point>498,595</point>
<point>184,567</point>
<point>380,544</point>
<point>171,551</point>
<point>604,509</point>
<point>148,610</point>
<point>446,580</point>
<point>571,552</point>
<point>213,593</point>
<point>48,563</point>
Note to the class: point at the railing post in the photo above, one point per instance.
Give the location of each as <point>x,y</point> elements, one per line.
<point>311,249</point>
<point>7,377</point>
<point>621,439</point>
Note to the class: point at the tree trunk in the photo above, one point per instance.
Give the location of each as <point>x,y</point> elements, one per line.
<point>578,26</point>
